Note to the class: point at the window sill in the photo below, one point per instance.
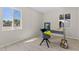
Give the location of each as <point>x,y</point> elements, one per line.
<point>11,29</point>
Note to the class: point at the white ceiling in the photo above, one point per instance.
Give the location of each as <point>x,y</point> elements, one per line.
<point>44,9</point>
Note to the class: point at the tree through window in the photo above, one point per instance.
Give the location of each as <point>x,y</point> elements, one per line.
<point>17,18</point>
<point>7,17</point>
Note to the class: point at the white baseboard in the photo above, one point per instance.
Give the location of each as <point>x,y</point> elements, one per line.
<point>72,37</point>
<point>69,37</point>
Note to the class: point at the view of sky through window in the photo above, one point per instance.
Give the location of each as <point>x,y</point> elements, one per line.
<point>17,14</point>
<point>7,14</point>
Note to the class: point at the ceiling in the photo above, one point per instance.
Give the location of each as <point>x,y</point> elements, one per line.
<point>44,9</point>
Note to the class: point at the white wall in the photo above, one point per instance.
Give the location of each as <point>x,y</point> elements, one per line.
<point>31,21</point>
<point>73,30</point>
<point>77,22</point>
<point>53,17</point>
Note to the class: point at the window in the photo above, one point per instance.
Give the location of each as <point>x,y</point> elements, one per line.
<point>67,16</point>
<point>61,24</point>
<point>17,18</point>
<point>11,18</point>
<point>61,17</point>
<point>7,17</point>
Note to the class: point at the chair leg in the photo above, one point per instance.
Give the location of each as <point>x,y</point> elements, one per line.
<point>42,41</point>
<point>47,43</point>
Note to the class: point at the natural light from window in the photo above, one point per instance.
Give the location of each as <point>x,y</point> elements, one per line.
<point>11,18</point>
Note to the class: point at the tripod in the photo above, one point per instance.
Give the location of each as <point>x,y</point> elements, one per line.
<point>45,38</point>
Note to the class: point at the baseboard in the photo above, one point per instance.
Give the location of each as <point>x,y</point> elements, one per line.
<point>67,37</point>
<point>71,37</point>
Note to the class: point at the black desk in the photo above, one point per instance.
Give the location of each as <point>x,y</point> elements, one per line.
<point>57,32</point>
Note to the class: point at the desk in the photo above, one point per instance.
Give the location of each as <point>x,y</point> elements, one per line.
<point>57,32</point>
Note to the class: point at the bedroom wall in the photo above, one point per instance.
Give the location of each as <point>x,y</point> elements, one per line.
<point>53,17</point>
<point>77,22</point>
<point>31,21</point>
<point>72,31</point>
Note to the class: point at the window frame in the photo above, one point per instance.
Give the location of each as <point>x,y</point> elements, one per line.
<point>12,27</point>
<point>20,27</point>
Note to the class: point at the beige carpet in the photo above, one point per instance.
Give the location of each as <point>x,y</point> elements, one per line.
<point>33,45</point>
